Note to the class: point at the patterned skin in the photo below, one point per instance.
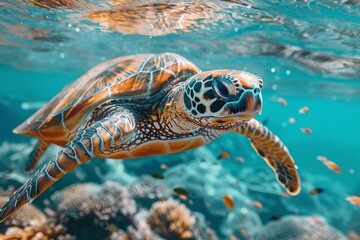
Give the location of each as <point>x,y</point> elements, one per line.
<point>144,105</point>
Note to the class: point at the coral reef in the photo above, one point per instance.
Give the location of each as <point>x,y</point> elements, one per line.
<point>299,228</point>
<point>171,219</point>
<point>201,178</point>
<point>30,222</point>
<point>148,190</point>
<point>84,206</point>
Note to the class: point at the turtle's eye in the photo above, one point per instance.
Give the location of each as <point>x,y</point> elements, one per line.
<point>224,88</point>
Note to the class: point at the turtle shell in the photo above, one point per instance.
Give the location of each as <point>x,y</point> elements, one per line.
<point>130,77</point>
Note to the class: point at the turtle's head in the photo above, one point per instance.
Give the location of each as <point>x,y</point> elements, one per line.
<point>221,98</point>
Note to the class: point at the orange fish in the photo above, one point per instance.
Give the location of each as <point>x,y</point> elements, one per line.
<point>183,197</point>
<point>331,165</point>
<point>240,159</point>
<point>244,232</point>
<point>224,155</point>
<point>282,101</point>
<point>233,237</point>
<point>353,235</point>
<point>306,130</point>
<point>284,195</point>
<point>304,110</point>
<point>163,166</point>
<point>316,191</point>
<point>257,204</point>
<point>355,200</point>
<point>322,158</point>
<point>292,120</point>
<point>228,201</point>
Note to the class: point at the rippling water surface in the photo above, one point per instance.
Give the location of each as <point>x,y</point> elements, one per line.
<point>307,52</point>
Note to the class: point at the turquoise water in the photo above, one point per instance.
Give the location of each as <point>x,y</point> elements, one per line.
<point>307,53</point>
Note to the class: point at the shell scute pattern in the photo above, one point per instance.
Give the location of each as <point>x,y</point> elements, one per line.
<point>139,76</point>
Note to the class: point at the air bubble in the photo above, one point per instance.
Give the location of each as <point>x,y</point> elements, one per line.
<point>77,29</point>
<point>62,55</point>
<point>272,70</point>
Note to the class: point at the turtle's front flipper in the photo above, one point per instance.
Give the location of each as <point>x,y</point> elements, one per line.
<point>35,155</point>
<point>93,141</point>
<point>273,151</point>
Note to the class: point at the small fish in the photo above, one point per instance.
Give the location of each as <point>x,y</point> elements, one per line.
<point>113,228</point>
<point>331,165</point>
<point>161,199</point>
<point>257,204</point>
<point>228,201</point>
<point>240,159</point>
<point>353,235</point>
<point>284,195</point>
<point>224,155</point>
<point>244,232</point>
<point>292,120</point>
<point>233,237</point>
<point>183,197</point>
<point>317,221</point>
<point>316,191</point>
<point>282,101</point>
<point>304,110</point>
<point>355,200</point>
<point>163,166</point>
<point>275,217</point>
<point>306,130</point>
<point>265,121</point>
<point>157,175</point>
<point>46,202</point>
<point>180,191</point>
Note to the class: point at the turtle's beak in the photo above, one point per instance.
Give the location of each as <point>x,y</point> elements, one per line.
<point>247,106</point>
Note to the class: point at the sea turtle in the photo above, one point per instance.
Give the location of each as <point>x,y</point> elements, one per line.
<point>141,105</point>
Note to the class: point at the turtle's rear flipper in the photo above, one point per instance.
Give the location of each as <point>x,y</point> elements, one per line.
<point>35,155</point>
<point>93,141</point>
<point>273,151</point>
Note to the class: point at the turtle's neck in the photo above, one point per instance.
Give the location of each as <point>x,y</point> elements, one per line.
<point>174,117</point>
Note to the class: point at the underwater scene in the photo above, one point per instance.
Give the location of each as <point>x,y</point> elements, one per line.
<point>191,119</point>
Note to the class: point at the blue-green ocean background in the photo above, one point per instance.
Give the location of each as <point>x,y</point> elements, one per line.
<point>307,52</point>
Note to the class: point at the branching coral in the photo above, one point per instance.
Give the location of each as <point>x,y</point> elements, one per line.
<point>171,219</point>
<point>299,228</point>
